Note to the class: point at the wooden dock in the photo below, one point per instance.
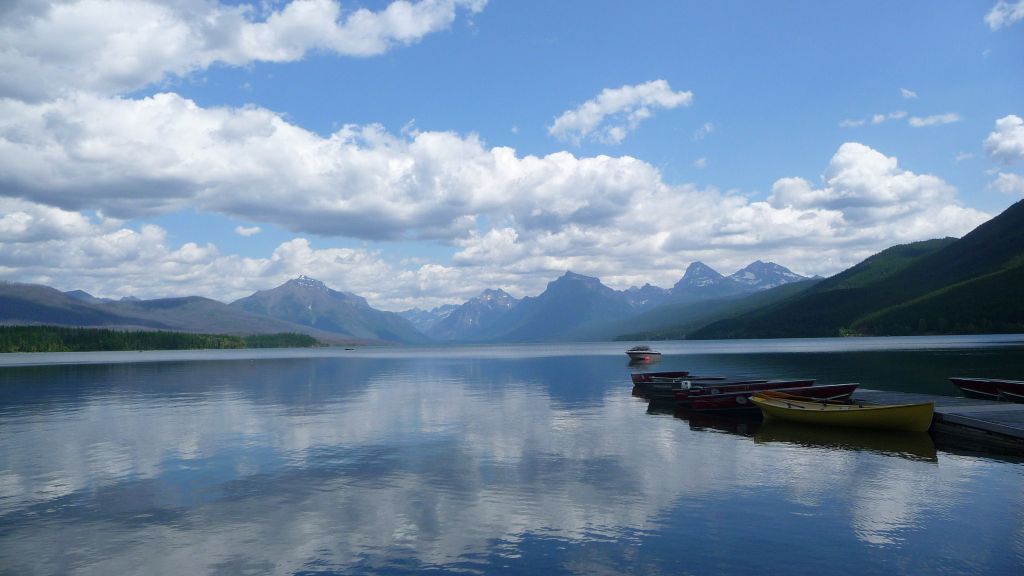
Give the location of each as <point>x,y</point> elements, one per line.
<point>984,425</point>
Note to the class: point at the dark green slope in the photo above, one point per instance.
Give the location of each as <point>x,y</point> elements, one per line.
<point>901,289</point>
<point>828,307</point>
<point>989,304</point>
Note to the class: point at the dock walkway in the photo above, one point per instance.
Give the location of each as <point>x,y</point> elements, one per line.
<point>987,424</point>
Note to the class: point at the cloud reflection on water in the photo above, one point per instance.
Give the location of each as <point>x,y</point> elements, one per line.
<point>360,464</point>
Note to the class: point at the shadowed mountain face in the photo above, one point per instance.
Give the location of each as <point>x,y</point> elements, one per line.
<point>582,308</point>
<point>311,303</point>
<point>567,304</point>
<point>477,315</point>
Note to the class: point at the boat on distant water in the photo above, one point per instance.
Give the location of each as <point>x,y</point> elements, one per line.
<point>643,353</point>
<point>908,417</point>
<point>991,388</point>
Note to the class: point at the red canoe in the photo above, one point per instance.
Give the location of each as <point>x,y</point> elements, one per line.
<point>740,401</point>
<point>991,388</point>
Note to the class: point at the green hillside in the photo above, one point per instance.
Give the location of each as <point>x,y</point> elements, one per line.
<point>933,287</point>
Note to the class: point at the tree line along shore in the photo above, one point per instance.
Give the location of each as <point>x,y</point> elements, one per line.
<point>66,339</point>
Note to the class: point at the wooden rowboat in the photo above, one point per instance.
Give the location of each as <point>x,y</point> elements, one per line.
<point>686,394</point>
<point>641,377</point>
<point>910,417</point>
<point>740,401</point>
<point>991,388</point>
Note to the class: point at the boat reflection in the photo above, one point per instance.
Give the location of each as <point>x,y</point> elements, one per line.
<point>912,445</point>
<point>739,424</point>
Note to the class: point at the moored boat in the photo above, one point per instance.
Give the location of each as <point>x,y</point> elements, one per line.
<point>740,401</point>
<point>991,388</point>
<point>686,394</point>
<point>641,377</point>
<point>666,391</point>
<point>909,417</point>
<point>643,353</point>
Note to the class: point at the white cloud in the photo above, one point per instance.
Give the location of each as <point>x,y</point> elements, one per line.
<point>935,120</point>
<point>1009,183</point>
<point>703,131</point>
<point>616,112</point>
<point>701,163</point>
<point>962,156</point>
<point>115,46</point>
<point>873,194</point>
<point>875,119</point>
<point>510,221</point>
<point>908,94</point>
<point>1006,143</point>
<point>1004,13</point>
<point>247,231</point>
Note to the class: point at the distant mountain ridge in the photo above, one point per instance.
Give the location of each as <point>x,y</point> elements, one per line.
<point>472,319</point>
<point>575,306</point>
<point>572,307</point>
<point>309,302</point>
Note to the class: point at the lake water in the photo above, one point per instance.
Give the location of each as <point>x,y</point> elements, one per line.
<point>486,460</point>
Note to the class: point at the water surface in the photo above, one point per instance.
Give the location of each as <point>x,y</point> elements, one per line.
<point>510,459</point>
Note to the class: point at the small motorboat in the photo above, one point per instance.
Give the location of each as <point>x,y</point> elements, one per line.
<point>909,417</point>
<point>991,388</point>
<point>643,353</point>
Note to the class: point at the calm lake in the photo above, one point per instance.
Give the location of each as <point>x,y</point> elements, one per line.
<point>531,459</point>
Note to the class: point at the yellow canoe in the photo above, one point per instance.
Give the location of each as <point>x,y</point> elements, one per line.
<point>911,417</point>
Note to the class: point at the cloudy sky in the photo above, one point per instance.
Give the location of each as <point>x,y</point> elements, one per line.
<point>418,152</point>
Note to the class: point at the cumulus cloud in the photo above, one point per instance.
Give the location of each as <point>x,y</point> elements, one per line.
<point>509,221</point>
<point>1006,142</point>
<point>115,46</point>
<point>247,230</point>
<point>616,112</point>
<point>908,94</point>
<point>1009,183</point>
<point>936,120</point>
<point>1004,13</point>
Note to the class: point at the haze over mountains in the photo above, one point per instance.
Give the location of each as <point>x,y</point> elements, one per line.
<point>573,307</point>
<point>969,285</point>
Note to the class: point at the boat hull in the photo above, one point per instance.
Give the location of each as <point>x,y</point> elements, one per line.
<point>684,396</point>
<point>991,388</point>
<point>908,417</point>
<point>740,401</point>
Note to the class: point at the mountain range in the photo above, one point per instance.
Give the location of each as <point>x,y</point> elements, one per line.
<point>967,285</point>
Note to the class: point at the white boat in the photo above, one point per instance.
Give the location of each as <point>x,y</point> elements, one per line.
<point>643,354</point>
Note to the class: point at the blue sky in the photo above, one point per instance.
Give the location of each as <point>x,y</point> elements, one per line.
<point>417,153</point>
